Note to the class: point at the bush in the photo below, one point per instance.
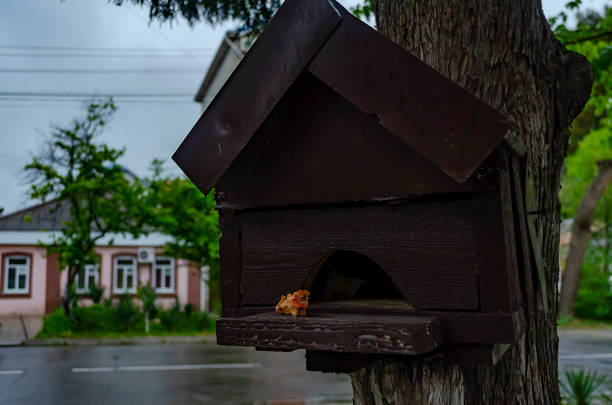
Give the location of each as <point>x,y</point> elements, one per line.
<point>96,293</point>
<point>127,313</point>
<point>103,319</point>
<point>594,298</point>
<point>97,317</point>
<point>55,324</point>
<point>171,318</point>
<point>188,321</point>
<point>147,296</point>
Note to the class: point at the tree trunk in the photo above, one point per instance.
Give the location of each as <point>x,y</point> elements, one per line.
<point>504,52</point>
<point>67,298</point>
<point>581,230</point>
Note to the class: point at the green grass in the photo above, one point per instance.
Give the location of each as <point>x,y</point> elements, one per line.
<point>576,323</point>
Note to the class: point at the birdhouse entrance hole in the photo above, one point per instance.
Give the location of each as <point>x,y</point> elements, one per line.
<point>349,277</point>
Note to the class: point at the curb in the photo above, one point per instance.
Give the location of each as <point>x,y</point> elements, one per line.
<point>11,343</point>
<point>140,340</point>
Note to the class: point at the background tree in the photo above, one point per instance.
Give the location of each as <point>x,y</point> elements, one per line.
<point>590,166</point>
<point>585,194</point>
<point>147,295</point>
<point>181,211</point>
<point>72,168</point>
<point>253,14</point>
<point>505,53</point>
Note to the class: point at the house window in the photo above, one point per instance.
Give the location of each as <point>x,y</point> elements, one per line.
<point>124,275</point>
<point>17,274</point>
<point>163,275</point>
<point>90,278</point>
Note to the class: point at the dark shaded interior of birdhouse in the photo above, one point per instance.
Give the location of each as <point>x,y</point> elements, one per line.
<point>348,280</point>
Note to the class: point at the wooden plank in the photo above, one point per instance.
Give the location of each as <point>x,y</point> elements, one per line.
<point>464,354</point>
<point>492,255</point>
<point>336,362</point>
<point>282,51</point>
<point>229,258</point>
<point>510,242</point>
<point>464,327</point>
<point>315,147</point>
<point>527,274</point>
<point>427,248</point>
<point>536,244</point>
<point>458,327</point>
<point>443,122</point>
<point>334,332</point>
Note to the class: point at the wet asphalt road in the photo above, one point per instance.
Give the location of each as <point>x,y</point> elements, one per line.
<point>202,373</point>
<point>239,376</point>
<point>590,349</point>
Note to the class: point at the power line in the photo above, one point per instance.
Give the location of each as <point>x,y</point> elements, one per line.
<point>102,71</point>
<point>102,48</point>
<point>89,95</point>
<point>81,99</point>
<point>107,55</point>
<point>75,105</point>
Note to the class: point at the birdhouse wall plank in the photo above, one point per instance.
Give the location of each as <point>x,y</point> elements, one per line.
<point>229,258</point>
<point>427,248</point>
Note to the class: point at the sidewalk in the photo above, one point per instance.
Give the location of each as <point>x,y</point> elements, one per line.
<point>135,340</point>
<point>17,329</point>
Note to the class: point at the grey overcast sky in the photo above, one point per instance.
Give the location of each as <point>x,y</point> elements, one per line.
<point>147,129</point>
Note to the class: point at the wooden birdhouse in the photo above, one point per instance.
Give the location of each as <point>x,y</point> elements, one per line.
<point>346,166</point>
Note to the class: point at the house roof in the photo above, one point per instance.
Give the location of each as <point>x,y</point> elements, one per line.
<point>437,118</point>
<point>229,44</point>
<point>43,222</point>
<point>45,216</point>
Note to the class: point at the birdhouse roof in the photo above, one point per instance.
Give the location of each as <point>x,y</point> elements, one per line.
<point>438,119</point>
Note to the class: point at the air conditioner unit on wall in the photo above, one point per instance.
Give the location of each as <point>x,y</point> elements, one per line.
<point>146,255</point>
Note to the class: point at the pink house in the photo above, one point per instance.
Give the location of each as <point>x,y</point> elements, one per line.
<point>31,282</point>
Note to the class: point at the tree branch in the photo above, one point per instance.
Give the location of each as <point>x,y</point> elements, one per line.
<point>588,38</point>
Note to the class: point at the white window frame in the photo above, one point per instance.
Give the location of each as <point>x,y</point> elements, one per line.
<point>90,269</point>
<point>163,268</point>
<point>20,269</point>
<point>124,289</point>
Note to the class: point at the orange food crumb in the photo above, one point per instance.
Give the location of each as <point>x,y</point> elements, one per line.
<point>294,304</point>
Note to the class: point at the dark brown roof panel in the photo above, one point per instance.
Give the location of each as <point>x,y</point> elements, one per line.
<point>433,115</point>
<point>280,54</point>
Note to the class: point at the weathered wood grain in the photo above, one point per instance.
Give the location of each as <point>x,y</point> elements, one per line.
<point>316,147</point>
<point>229,258</point>
<point>458,327</point>
<point>246,98</point>
<point>511,264</point>
<point>427,249</point>
<point>527,274</point>
<point>443,122</point>
<point>333,332</point>
<point>488,229</point>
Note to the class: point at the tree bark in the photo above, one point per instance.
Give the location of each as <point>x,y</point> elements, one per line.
<point>581,230</point>
<point>504,52</point>
<point>67,297</point>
